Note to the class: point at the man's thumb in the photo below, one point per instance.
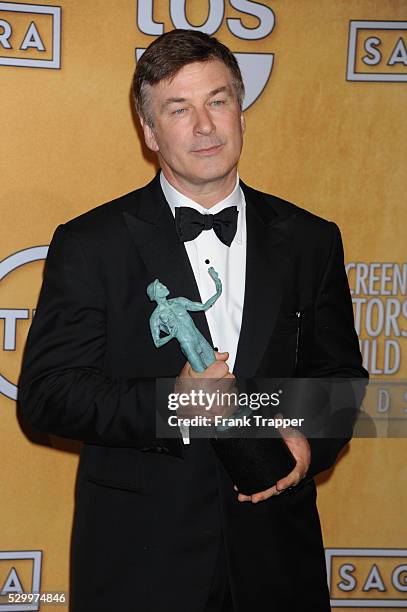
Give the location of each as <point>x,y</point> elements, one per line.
<point>222,356</point>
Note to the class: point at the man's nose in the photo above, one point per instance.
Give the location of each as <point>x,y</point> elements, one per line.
<point>203,122</point>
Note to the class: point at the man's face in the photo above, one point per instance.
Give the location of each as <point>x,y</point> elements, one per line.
<point>197,124</point>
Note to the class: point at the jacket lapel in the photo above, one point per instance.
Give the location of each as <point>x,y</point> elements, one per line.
<point>152,227</point>
<point>267,257</point>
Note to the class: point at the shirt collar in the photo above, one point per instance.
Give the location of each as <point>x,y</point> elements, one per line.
<point>236,198</point>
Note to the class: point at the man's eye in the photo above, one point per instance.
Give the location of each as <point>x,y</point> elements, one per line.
<point>179,111</point>
<point>217,102</point>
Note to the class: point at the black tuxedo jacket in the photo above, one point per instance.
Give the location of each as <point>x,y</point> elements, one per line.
<point>151,514</point>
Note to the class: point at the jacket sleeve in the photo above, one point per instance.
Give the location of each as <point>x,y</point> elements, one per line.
<point>335,354</point>
<point>62,388</point>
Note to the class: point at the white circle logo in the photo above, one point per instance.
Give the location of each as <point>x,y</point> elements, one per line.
<point>12,315</point>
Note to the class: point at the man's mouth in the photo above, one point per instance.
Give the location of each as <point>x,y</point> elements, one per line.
<point>204,151</point>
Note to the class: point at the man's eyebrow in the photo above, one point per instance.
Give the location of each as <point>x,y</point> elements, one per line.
<point>224,89</point>
<point>174,100</point>
<point>213,92</point>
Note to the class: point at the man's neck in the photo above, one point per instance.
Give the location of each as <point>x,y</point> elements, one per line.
<point>205,194</point>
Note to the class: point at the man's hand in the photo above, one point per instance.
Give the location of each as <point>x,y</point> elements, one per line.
<point>216,378</point>
<point>299,447</point>
<point>218,369</point>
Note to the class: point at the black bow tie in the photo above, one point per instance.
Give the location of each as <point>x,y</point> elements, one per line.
<point>190,223</point>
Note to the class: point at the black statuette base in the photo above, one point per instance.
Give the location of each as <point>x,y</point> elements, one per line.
<point>254,464</point>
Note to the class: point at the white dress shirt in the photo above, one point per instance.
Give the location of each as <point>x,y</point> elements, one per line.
<point>225,316</point>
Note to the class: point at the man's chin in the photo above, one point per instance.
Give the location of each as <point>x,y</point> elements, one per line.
<point>210,174</point>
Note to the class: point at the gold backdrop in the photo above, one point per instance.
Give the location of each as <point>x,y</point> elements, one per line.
<point>328,132</point>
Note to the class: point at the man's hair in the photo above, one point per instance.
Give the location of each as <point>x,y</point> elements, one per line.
<point>168,54</point>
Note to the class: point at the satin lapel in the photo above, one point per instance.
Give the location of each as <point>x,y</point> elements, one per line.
<point>266,262</point>
<point>152,227</point>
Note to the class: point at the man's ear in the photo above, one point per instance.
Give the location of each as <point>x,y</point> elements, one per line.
<point>242,122</point>
<point>149,136</point>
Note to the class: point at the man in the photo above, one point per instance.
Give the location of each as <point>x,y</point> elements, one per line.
<point>158,524</point>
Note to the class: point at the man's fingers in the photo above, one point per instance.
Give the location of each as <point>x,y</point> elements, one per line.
<point>217,370</point>
<point>242,498</point>
<point>210,387</point>
<point>263,495</point>
<point>293,478</point>
<point>185,370</point>
<point>221,356</point>
<point>258,497</point>
<point>299,447</point>
<point>220,368</point>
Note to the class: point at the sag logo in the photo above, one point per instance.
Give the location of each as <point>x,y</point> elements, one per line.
<point>20,572</point>
<point>377,51</point>
<point>367,577</point>
<point>30,35</point>
<point>255,67</point>
<point>11,316</point>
